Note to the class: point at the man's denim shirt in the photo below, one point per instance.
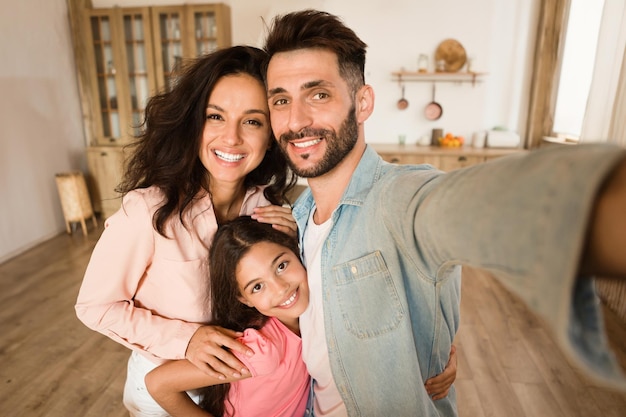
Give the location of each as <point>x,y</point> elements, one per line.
<point>391,274</point>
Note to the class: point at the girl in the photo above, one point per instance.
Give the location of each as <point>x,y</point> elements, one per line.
<point>206,156</point>
<point>258,286</point>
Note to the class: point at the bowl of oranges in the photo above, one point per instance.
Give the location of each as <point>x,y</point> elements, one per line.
<point>451,141</point>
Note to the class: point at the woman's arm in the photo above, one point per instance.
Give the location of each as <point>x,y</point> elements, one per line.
<point>280,218</point>
<point>168,384</point>
<point>206,351</point>
<point>106,301</point>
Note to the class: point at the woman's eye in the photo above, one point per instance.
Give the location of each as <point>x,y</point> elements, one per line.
<point>213,116</point>
<point>254,122</point>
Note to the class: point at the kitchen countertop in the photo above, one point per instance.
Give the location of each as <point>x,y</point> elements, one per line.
<point>439,150</point>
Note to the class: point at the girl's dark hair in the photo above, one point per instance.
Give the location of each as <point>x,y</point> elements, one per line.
<point>166,152</point>
<point>319,30</point>
<point>231,242</point>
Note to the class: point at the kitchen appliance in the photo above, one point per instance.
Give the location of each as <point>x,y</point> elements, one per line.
<point>502,139</point>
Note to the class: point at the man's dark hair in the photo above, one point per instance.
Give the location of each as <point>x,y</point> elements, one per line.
<point>319,30</point>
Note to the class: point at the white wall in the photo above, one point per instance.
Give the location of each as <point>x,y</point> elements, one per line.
<point>40,120</point>
<point>499,35</point>
<point>41,131</point>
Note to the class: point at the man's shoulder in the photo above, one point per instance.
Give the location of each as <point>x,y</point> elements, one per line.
<point>395,173</point>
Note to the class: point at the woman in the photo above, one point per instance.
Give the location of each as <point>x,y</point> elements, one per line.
<point>206,156</point>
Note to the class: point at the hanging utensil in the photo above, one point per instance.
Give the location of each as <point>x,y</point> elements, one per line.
<point>402,103</point>
<point>433,110</point>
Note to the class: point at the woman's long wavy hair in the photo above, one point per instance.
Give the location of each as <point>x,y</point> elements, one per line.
<point>166,153</point>
<point>230,244</point>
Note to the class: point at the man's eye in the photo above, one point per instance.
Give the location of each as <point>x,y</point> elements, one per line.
<point>280,102</point>
<point>320,96</point>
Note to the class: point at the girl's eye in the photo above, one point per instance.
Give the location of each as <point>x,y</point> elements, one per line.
<point>256,288</point>
<point>282,266</point>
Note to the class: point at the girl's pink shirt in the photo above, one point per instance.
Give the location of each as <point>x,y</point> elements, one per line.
<point>146,291</point>
<point>279,385</point>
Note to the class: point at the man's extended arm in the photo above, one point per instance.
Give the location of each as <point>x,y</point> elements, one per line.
<point>605,251</point>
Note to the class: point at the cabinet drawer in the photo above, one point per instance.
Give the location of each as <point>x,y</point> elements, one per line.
<point>452,162</point>
<point>399,158</point>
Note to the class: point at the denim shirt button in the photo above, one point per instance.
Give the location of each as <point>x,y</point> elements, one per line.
<point>353,270</point>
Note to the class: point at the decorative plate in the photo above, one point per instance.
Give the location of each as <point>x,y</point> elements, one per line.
<point>452,53</point>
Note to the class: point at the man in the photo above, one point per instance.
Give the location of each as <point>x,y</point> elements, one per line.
<point>383,244</point>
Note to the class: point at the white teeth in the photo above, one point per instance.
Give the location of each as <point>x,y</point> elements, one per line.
<point>307,143</point>
<point>229,157</point>
<point>289,301</point>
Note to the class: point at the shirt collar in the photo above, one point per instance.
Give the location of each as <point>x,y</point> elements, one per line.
<point>367,172</point>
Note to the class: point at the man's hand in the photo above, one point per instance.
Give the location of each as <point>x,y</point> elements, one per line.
<point>438,386</point>
<point>206,350</point>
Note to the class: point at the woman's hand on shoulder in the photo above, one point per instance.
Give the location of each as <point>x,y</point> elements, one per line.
<point>279,217</point>
<point>210,350</point>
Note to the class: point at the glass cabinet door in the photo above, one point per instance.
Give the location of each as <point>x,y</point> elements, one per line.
<point>186,32</point>
<point>108,120</point>
<point>209,28</point>
<point>205,32</point>
<point>139,64</point>
<point>168,27</point>
<point>123,68</point>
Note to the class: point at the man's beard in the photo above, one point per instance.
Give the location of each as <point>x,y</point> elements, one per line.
<point>337,146</point>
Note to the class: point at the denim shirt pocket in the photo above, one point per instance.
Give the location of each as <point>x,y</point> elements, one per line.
<point>356,282</point>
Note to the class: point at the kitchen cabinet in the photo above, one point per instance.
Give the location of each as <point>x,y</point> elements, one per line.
<point>106,167</point>
<point>128,55</point>
<point>445,159</point>
<point>187,31</point>
<point>121,67</point>
<point>134,52</point>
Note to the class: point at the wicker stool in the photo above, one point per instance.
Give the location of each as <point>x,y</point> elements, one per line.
<point>75,200</point>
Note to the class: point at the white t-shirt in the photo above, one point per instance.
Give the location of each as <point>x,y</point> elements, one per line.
<point>328,402</point>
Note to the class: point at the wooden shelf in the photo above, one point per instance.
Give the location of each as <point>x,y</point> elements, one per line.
<point>456,77</point>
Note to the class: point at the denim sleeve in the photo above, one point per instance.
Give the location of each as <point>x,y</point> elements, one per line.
<point>524,219</point>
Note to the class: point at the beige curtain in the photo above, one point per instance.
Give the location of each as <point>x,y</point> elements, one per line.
<point>606,106</point>
<point>617,129</point>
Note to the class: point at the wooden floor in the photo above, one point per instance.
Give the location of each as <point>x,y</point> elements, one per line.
<point>51,365</point>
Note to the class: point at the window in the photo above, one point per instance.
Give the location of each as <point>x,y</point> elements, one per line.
<point>579,54</point>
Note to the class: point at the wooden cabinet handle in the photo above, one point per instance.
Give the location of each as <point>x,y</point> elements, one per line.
<point>395,160</point>
<point>103,154</point>
<point>462,158</point>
